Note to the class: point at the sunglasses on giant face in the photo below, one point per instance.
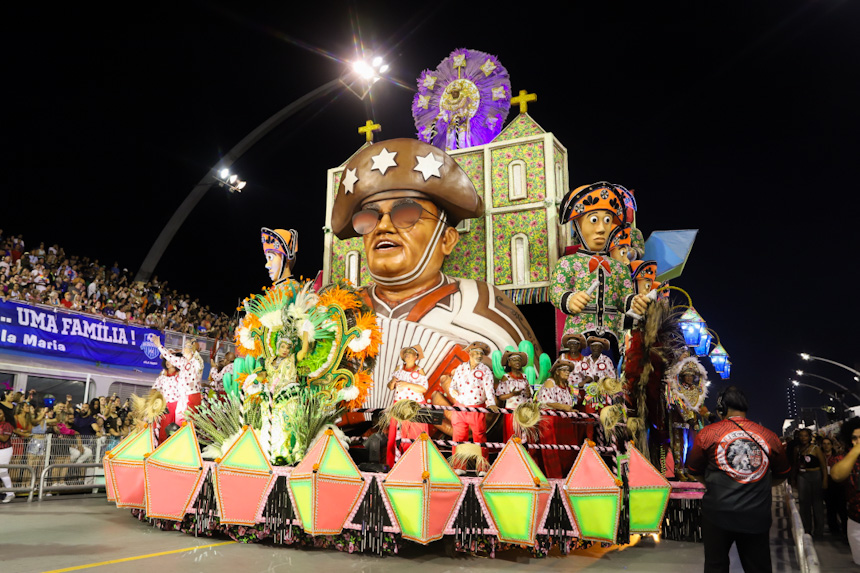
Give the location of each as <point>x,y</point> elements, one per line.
<point>403,215</point>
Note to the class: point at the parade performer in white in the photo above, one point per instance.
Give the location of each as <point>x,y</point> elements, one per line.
<point>409,382</point>
<point>183,393</point>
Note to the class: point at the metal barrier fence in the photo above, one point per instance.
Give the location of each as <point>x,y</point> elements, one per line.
<point>57,463</point>
<point>807,557</point>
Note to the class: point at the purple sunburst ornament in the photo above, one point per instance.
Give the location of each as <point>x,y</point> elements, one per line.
<point>463,102</point>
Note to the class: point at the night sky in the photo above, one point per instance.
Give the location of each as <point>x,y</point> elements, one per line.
<point>739,119</point>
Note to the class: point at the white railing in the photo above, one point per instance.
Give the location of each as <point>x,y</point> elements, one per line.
<point>807,557</point>
<point>57,463</point>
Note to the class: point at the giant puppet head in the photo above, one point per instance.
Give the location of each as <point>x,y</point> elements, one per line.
<point>280,247</point>
<point>621,245</point>
<point>404,197</point>
<point>644,275</point>
<point>595,210</point>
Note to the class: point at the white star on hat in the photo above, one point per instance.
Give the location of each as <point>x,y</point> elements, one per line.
<point>383,160</point>
<point>428,166</point>
<point>349,181</point>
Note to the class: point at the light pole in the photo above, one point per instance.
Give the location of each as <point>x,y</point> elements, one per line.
<point>365,73</point>
<point>823,391</point>
<point>808,357</point>
<point>835,383</point>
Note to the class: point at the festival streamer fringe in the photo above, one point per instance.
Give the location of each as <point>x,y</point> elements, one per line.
<point>466,453</point>
<point>150,408</point>
<point>526,421</point>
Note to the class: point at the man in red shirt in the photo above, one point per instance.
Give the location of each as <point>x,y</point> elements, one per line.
<point>739,461</point>
<point>848,468</point>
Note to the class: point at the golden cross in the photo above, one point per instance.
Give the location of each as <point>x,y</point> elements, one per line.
<point>523,99</point>
<point>368,129</point>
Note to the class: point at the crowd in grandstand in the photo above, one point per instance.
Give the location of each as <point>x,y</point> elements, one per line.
<point>48,276</point>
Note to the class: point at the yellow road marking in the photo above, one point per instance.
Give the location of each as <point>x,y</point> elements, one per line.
<point>124,559</point>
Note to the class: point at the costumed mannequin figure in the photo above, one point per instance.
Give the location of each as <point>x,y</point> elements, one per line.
<point>556,394</point>
<point>280,247</point>
<point>594,290</point>
<point>597,364</point>
<point>621,245</point>
<point>184,392</point>
<point>574,343</point>
<point>686,390</point>
<point>644,275</point>
<point>472,385</point>
<point>409,382</point>
<point>514,388</point>
<point>404,197</point>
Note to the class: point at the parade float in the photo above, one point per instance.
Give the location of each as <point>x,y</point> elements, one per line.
<point>414,348</point>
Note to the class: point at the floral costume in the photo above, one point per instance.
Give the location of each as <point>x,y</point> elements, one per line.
<point>184,391</point>
<point>408,430</point>
<point>580,271</point>
<point>604,315</point>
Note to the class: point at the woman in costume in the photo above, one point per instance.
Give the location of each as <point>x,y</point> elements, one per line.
<point>168,384</point>
<point>513,388</point>
<point>811,483</point>
<point>409,382</point>
<point>555,394</point>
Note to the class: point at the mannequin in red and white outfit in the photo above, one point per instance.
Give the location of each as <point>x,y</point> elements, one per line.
<point>513,388</point>
<point>409,382</point>
<point>555,394</point>
<point>472,385</point>
<point>598,365</point>
<point>183,393</point>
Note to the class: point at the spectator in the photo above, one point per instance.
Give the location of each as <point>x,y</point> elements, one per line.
<point>5,455</point>
<point>834,496</point>
<point>33,278</point>
<point>85,423</point>
<point>848,468</point>
<point>811,476</point>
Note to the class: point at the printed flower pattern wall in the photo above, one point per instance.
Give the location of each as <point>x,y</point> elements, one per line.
<point>340,249</point>
<point>533,225</point>
<point>469,258</point>
<point>521,126</point>
<point>532,154</point>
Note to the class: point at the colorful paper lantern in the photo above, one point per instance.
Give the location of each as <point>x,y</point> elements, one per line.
<point>719,357</point>
<point>172,473</point>
<point>126,468</point>
<point>727,371</point>
<point>692,326</point>
<point>423,491</point>
<point>704,344</point>
<point>325,486</point>
<point>242,479</point>
<point>649,493</point>
<point>594,495</point>
<point>516,493</point>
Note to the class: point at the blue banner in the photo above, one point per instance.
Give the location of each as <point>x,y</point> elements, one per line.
<point>61,334</point>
